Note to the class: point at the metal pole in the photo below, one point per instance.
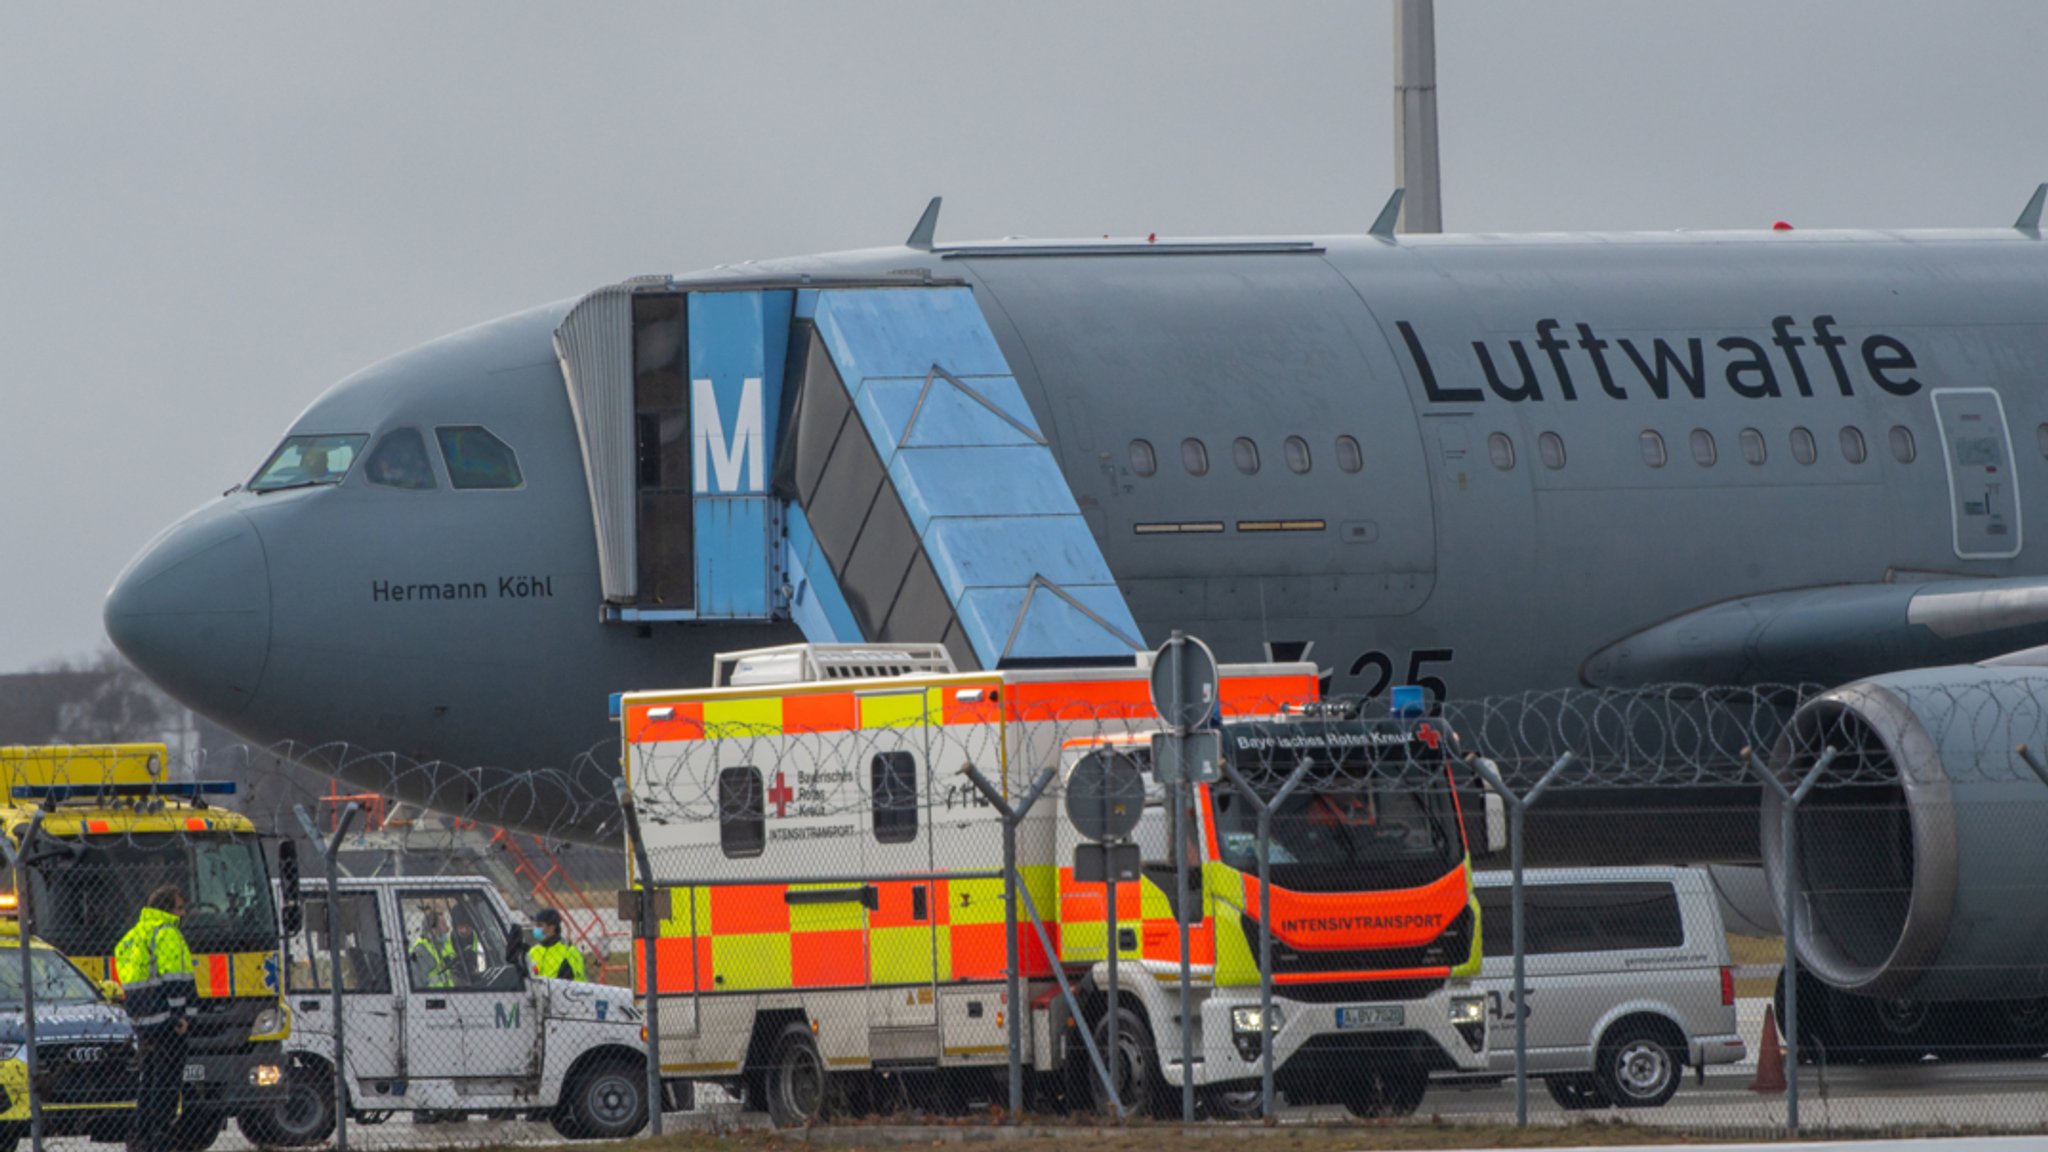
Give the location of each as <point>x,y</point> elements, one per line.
<point>1415,150</point>
<point>650,941</point>
<point>1788,849</point>
<point>24,932</point>
<point>1115,1010</point>
<point>1265,813</point>
<point>1012,881</point>
<point>1517,808</point>
<point>328,851</point>
<point>1183,825</point>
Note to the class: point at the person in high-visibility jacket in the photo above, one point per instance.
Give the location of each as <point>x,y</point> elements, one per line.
<point>157,987</point>
<point>550,955</point>
<point>433,952</point>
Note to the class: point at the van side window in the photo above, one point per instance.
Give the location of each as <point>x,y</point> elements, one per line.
<point>742,818</point>
<point>892,782</point>
<point>363,966</point>
<point>1582,918</point>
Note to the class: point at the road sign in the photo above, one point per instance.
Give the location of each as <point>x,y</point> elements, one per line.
<point>1194,756</point>
<point>1098,863</point>
<point>1105,795</point>
<point>1184,682</point>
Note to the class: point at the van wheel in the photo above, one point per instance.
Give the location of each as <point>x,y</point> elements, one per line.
<point>1637,1068</point>
<point>1137,1081</point>
<point>1575,1093</point>
<point>305,1115</point>
<point>607,1102</point>
<point>796,1082</point>
<point>1387,1089</point>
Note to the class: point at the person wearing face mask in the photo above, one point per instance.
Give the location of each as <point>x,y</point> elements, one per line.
<point>550,955</point>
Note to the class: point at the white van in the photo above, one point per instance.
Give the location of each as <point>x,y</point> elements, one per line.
<point>1628,979</point>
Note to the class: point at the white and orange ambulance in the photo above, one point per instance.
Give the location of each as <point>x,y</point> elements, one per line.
<point>831,903</point>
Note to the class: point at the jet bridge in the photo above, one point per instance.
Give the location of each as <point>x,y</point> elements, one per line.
<point>857,459</point>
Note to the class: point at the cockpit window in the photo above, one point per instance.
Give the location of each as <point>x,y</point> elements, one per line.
<point>477,459</point>
<point>400,461</point>
<point>302,461</point>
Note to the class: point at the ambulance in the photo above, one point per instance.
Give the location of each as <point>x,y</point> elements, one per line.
<point>830,888</point>
<point>110,825</point>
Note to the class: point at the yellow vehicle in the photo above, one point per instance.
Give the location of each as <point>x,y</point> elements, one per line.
<point>101,826</point>
<point>86,1078</point>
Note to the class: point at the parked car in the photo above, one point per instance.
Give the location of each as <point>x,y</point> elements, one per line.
<point>1628,978</point>
<point>84,1044</point>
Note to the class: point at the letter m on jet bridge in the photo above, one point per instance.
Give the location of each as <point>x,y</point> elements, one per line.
<point>720,454</point>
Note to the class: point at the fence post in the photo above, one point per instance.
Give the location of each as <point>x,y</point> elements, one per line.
<point>1265,814</point>
<point>329,849</point>
<point>25,931</point>
<point>1012,880</point>
<point>650,925</point>
<point>1183,822</point>
<point>1788,853</point>
<point>1518,808</point>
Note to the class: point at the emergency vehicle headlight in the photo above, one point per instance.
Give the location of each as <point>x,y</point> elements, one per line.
<point>268,1022</point>
<point>1247,1020</point>
<point>266,1076</point>
<point>9,1052</point>
<point>1468,1009</point>
<point>10,903</point>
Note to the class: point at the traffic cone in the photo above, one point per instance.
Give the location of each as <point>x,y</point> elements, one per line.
<point>1770,1057</point>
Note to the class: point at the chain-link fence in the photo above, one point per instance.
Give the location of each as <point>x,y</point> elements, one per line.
<point>992,901</point>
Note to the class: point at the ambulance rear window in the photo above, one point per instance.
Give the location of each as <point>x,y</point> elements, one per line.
<point>892,778</point>
<point>742,822</point>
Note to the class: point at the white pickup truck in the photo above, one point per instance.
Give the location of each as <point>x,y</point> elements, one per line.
<point>448,1029</point>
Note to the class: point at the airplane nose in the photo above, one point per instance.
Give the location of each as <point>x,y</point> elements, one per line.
<point>192,611</point>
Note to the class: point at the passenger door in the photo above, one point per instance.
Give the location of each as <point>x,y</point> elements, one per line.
<point>485,1024</point>
<point>894,775</point>
<point>368,1001</point>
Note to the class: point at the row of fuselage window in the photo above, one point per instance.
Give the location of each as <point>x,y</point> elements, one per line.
<point>1550,449</point>
<point>1244,452</point>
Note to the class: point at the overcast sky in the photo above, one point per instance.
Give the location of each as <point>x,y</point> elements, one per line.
<point>209,213</point>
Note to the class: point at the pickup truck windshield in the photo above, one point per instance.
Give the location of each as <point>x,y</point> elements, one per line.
<point>58,983</point>
<point>84,906</point>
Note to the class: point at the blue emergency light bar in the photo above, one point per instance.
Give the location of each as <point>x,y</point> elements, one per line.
<point>58,793</point>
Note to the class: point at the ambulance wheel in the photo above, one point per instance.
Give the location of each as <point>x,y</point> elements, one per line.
<point>305,1116</point>
<point>1137,1078</point>
<point>1387,1089</point>
<point>10,1135</point>
<point>1234,1101</point>
<point>796,1082</point>
<point>608,1102</point>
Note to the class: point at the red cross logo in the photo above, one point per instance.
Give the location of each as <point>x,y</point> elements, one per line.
<point>780,796</point>
<point>1423,732</point>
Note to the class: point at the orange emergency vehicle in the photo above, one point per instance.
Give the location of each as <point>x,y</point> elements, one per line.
<point>838,901</point>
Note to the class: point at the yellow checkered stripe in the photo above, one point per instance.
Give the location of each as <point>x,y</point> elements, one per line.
<point>751,938</point>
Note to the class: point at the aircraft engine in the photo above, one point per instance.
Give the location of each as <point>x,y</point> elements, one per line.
<point>1923,851</point>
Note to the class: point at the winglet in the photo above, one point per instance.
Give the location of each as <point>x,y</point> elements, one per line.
<point>921,236</point>
<point>1383,227</point>
<point>2030,216</point>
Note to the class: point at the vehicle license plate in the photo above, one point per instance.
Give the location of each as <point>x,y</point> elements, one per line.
<point>1371,1016</point>
<point>194,1072</point>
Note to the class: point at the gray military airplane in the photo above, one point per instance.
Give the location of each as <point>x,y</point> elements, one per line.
<point>1479,464</point>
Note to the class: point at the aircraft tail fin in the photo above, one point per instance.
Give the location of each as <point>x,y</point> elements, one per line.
<point>2030,216</point>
